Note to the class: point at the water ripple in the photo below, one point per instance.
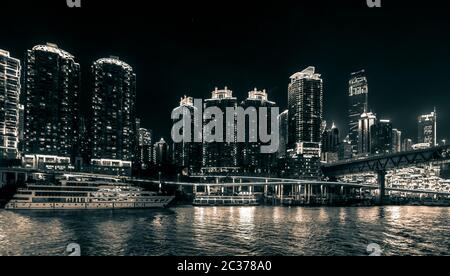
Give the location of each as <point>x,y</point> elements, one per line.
<point>228,231</point>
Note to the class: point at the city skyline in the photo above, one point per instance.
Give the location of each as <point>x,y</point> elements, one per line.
<point>52,78</point>
<point>343,135</point>
<point>177,65</point>
<point>224,128</point>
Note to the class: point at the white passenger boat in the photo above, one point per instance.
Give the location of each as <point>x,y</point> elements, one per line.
<point>85,192</point>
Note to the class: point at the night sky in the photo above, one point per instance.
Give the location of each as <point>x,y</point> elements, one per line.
<point>190,47</point>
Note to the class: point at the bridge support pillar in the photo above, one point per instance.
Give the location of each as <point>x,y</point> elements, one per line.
<point>381,186</point>
<point>266,188</point>
<point>234,187</point>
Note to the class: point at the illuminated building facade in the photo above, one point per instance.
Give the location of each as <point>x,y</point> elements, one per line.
<point>381,137</point>
<point>283,121</point>
<point>330,139</point>
<point>220,157</point>
<point>358,100</point>
<point>145,147</point>
<point>161,153</point>
<point>427,129</point>
<point>9,105</point>
<point>366,121</point>
<point>330,144</point>
<point>407,144</point>
<point>396,140</point>
<point>114,116</point>
<point>305,105</point>
<point>188,155</point>
<point>51,88</point>
<point>251,158</point>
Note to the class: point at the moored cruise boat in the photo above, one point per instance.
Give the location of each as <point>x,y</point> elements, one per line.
<point>85,192</point>
<point>220,200</point>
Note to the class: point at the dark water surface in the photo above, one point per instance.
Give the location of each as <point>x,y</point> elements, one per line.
<point>229,231</point>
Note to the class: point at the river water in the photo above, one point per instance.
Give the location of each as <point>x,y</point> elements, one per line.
<point>245,231</point>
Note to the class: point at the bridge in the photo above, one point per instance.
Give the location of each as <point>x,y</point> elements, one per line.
<point>267,181</point>
<point>380,164</point>
<point>324,191</point>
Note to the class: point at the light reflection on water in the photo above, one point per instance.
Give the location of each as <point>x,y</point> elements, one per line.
<point>229,231</point>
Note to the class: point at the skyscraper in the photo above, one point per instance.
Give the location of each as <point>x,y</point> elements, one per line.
<point>114,114</point>
<point>161,153</point>
<point>305,105</point>
<point>345,150</point>
<point>366,121</point>
<point>427,129</point>
<point>145,147</point>
<point>84,149</point>
<point>358,99</point>
<point>251,158</point>
<point>221,156</point>
<point>330,139</point>
<point>283,120</point>
<point>188,154</point>
<point>330,144</point>
<point>145,137</point>
<point>21,127</point>
<point>407,145</point>
<point>381,137</point>
<point>396,140</point>
<point>52,86</point>
<point>9,105</point>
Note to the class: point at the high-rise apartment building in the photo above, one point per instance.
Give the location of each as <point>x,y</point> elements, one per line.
<point>114,110</point>
<point>10,72</point>
<point>188,154</point>
<point>251,158</point>
<point>221,156</point>
<point>305,102</point>
<point>51,88</point>
<point>305,109</point>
